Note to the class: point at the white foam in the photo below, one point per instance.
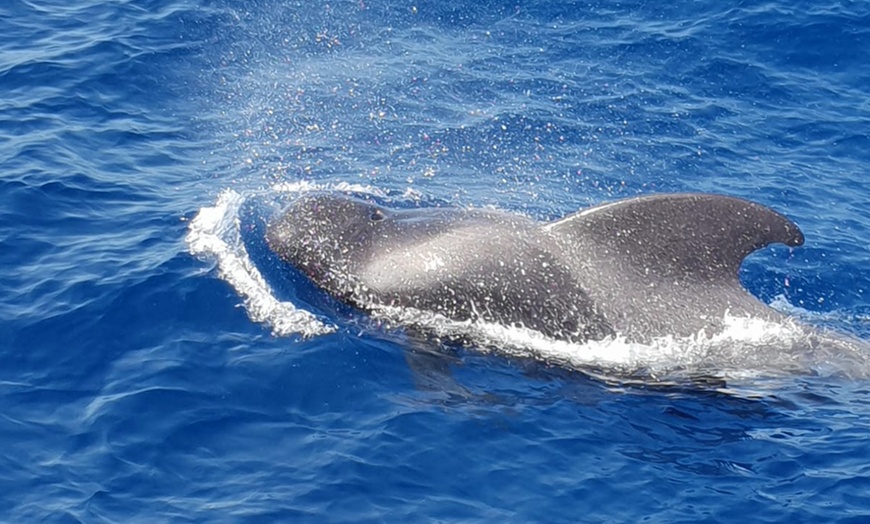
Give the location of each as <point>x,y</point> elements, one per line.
<point>746,348</point>
<point>216,232</point>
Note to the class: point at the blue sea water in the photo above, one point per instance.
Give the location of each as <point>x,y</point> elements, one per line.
<point>156,372</point>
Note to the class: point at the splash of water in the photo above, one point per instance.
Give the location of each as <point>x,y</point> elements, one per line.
<point>747,349</point>
<point>215,233</point>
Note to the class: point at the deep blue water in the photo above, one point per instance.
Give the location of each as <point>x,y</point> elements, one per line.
<point>138,384</point>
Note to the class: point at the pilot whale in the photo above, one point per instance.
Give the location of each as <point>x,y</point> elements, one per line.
<point>641,268</point>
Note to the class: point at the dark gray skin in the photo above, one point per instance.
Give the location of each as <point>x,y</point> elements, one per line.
<point>641,268</point>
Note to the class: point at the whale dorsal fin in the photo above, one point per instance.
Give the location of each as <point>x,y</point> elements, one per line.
<point>677,236</point>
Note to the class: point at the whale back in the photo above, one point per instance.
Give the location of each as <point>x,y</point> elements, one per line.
<point>641,268</point>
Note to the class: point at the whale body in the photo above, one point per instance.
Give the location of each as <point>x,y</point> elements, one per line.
<point>640,268</point>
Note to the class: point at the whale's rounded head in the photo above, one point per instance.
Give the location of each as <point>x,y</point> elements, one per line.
<point>325,235</point>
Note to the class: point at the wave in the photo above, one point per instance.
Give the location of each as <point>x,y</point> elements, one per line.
<point>748,348</point>
<point>215,233</point>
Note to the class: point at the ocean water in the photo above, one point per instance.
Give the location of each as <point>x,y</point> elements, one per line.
<point>159,365</point>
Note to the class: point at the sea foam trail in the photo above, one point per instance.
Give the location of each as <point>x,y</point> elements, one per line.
<point>745,350</point>
<point>216,232</point>
<point>659,356</point>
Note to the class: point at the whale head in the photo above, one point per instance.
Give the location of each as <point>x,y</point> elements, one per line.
<point>325,236</point>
